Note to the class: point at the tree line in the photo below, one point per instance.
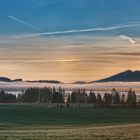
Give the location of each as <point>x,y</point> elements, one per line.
<point>104,100</point>
<point>53,95</point>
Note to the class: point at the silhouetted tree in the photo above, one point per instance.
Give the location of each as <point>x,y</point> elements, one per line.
<point>69,99</point>
<point>131,98</point>
<point>57,98</point>
<point>99,100</point>
<point>116,98</point>
<point>123,100</point>
<point>92,97</point>
<point>107,99</point>
<point>73,97</point>
<point>7,98</point>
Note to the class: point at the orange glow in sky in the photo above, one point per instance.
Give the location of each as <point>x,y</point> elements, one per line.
<point>67,59</point>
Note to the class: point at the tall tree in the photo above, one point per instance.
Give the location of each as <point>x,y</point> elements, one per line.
<point>131,98</point>
<point>92,97</point>
<point>73,97</point>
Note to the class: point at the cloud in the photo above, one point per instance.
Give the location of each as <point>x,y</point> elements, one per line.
<point>25,23</point>
<point>128,38</point>
<point>98,29</point>
<point>36,58</point>
<point>121,53</point>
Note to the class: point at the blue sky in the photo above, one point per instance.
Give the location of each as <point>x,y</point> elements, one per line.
<point>59,15</point>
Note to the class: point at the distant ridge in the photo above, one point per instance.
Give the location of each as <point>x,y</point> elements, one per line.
<point>80,82</point>
<point>45,81</point>
<point>126,76</point>
<point>5,79</point>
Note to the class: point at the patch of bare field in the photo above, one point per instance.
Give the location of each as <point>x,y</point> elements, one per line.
<point>119,132</point>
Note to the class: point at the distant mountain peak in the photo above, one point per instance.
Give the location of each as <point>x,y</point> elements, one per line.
<point>126,76</point>
<point>127,71</point>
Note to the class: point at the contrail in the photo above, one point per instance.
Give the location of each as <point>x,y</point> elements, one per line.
<point>121,26</point>
<point>25,23</point>
<point>128,38</point>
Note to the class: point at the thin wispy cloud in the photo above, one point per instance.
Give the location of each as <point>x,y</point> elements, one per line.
<point>25,23</point>
<point>122,54</point>
<point>98,29</point>
<point>132,41</point>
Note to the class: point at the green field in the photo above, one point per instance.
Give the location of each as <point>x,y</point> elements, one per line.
<point>38,122</point>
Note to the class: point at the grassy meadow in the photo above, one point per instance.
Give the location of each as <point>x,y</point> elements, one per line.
<point>38,122</point>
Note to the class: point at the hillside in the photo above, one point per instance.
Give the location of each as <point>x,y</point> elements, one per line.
<point>126,76</point>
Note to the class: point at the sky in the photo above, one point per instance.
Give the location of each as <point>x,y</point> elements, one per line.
<point>68,40</point>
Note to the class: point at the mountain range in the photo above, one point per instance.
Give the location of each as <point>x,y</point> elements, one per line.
<point>126,76</point>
